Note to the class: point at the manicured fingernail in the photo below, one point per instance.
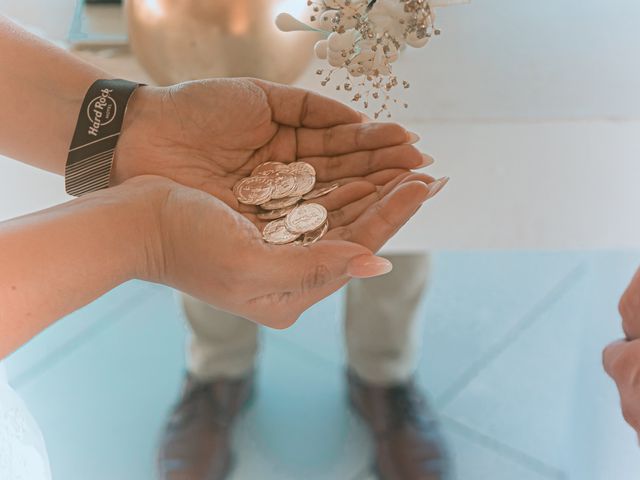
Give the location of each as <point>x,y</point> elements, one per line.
<point>426,161</point>
<point>436,186</point>
<point>366,266</point>
<point>412,138</point>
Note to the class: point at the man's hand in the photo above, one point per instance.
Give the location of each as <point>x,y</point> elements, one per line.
<point>622,359</point>
<point>630,309</point>
<point>209,134</point>
<point>622,363</point>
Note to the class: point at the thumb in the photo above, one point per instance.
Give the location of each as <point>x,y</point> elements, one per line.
<point>367,266</point>
<point>329,261</point>
<point>297,277</point>
<point>325,275</point>
<point>303,269</point>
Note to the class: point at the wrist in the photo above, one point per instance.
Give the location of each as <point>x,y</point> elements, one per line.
<point>99,126</point>
<point>136,215</point>
<point>130,155</point>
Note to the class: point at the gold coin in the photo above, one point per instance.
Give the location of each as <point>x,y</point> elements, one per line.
<point>306,217</point>
<point>283,183</point>
<point>267,168</point>
<point>302,168</point>
<point>312,237</point>
<point>319,192</point>
<point>275,214</point>
<point>280,203</point>
<point>253,190</point>
<point>305,177</point>
<point>276,233</point>
<point>304,184</point>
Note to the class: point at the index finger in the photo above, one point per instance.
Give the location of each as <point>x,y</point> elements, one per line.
<point>629,308</point>
<point>378,224</point>
<point>297,107</point>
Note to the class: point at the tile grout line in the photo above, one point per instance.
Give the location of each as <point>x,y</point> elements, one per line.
<point>73,343</point>
<point>505,450</point>
<point>525,323</point>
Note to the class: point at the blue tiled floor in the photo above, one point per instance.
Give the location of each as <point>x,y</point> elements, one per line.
<point>511,360</point>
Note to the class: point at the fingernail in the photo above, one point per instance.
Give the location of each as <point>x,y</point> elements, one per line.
<point>436,186</point>
<point>426,161</point>
<point>367,266</point>
<point>412,138</point>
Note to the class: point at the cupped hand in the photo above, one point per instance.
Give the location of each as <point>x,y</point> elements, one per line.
<point>622,358</point>
<point>209,134</point>
<point>203,247</point>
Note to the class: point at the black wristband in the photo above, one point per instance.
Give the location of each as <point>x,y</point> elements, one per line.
<point>97,131</point>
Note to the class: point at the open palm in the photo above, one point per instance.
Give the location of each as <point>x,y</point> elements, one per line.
<point>209,134</point>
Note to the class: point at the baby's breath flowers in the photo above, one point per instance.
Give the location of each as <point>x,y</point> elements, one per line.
<point>363,39</point>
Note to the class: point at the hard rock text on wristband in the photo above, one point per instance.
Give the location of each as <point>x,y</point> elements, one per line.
<point>94,142</point>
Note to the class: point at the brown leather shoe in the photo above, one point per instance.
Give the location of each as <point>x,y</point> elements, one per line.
<point>196,444</point>
<point>408,445</point>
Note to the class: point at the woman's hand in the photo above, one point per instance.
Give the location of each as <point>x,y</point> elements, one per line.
<point>209,250</point>
<point>622,359</point>
<point>60,259</point>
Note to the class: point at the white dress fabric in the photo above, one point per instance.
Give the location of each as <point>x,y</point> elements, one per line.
<point>23,455</point>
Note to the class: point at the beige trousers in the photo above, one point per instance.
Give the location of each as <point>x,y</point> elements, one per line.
<point>381,328</point>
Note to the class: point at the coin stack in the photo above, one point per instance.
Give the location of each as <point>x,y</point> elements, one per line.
<point>282,192</point>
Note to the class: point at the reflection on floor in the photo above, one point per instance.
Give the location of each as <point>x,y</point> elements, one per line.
<point>511,360</point>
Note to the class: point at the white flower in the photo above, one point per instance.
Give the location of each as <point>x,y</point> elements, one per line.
<point>386,16</point>
<point>339,42</point>
<point>364,38</point>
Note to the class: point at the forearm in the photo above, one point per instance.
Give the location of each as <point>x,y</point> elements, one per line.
<point>41,91</point>
<point>58,260</point>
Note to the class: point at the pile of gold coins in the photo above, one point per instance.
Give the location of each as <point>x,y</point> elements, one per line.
<point>282,191</point>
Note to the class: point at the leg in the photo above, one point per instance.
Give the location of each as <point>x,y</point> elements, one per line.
<point>196,444</point>
<point>383,342</point>
<point>222,345</point>
<point>382,329</point>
